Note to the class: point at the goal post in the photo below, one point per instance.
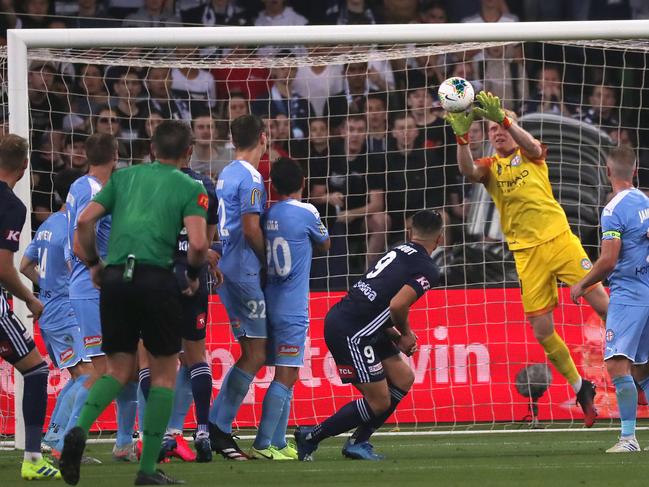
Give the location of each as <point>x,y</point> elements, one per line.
<point>67,44</point>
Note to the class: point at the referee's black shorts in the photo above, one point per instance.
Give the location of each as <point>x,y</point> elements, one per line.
<point>146,307</point>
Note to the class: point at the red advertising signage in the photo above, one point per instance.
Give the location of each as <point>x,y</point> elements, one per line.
<point>472,345</point>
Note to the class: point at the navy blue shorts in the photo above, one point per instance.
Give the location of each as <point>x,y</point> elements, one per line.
<point>194,315</point>
<point>358,354</point>
<point>15,341</point>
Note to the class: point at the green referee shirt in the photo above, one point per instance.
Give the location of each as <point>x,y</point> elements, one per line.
<point>148,203</point>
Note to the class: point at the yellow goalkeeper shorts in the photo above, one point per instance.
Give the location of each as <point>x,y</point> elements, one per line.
<point>562,258</point>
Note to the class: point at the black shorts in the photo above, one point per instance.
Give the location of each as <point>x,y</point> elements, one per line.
<point>358,356</point>
<point>15,341</point>
<point>147,307</point>
<point>195,315</point>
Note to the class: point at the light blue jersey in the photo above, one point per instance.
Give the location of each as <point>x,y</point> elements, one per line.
<point>81,193</point>
<point>290,228</point>
<point>49,250</point>
<point>239,190</point>
<point>626,217</point>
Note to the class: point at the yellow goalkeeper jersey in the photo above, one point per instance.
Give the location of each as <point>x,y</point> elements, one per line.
<point>520,188</point>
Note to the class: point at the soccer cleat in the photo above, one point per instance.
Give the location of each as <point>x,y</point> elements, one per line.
<point>360,451</point>
<point>289,450</point>
<point>40,470</point>
<point>270,453</point>
<point>305,448</point>
<point>224,444</point>
<point>73,445</point>
<point>156,478</point>
<point>126,453</point>
<point>625,445</point>
<point>176,446</point>
<point>586,399</point>
<point>138,449</point>
<point>203,449</point>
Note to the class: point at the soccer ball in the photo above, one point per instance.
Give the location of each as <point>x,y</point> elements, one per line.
<point>455,94</point>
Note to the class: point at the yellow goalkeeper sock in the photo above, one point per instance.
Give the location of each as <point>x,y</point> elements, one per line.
<point>558,353</point>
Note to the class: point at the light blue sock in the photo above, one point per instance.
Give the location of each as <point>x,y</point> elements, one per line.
<point>627,403</point>
<point>79,400</point>
<point>183,398</point>
<point>61,413</point>
<point>271,413</point>
<point>233,390</point>
<point>279,436</point>
<point>141,406</point>
<point>126,409</point>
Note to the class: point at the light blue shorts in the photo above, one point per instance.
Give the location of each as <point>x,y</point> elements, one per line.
<point>65,345</point>
<point>87,313</point>
<point>287,337</point>
<point>627,332</point>
<point>246,308</point>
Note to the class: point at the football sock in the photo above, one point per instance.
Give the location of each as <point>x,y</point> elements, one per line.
<point>99,397</point>
<point>141,406</point>
<point>201,383</point>
<point>279,436</point>
<point>34,405</point>
<point>145,381</point>
<point>271,413</point>
<point>226,405</point>
<point>126,410</point>
<point>61,413</point>
<point>182,400</point>
<point>644,384</point>
<point>80,395</point>
<point>349,416</point>
<point>366,430</point>
<point>158,411</point>
<point>627,403</point>
<point>558,353</point>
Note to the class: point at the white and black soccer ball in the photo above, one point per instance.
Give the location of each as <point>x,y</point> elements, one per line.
<point>456,94</point>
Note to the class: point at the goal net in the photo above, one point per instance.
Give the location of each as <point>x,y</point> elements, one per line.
<point>365,124</point>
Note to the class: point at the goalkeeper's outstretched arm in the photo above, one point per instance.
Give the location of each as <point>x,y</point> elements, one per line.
<point>528,144</point>
<point>461,123</point>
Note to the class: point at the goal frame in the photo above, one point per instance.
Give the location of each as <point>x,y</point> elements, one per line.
<point>19,41</point>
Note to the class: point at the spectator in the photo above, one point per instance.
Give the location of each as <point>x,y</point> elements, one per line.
<point>142,149</point>
<point>549,95</point>
<point>152,14</point>
<point>351,99</point>
<point>433,132</point>
<point>252,82</point>
<point>91,16</point>
<point>601,10</point>
<point>361,181</point>
<point>195,86</point>
<point>88,94</point>
<point>349,12</point>
<point>209,157</point>
<point>492,11</point>
<point>107,122</point>
<point>237,105</point>
<point>46,109</point>
<point>276,12</point>
<point>602,109</point>
<point>216,13</point>
<point>118,9</point>
<point>377,122</point>
<point>130,110</point>
<point>283,99</point>
<point>433,12</point>
<point>318,83</point>
<point>74,152</point>
<point>400,11</point>
<point>504,75</point>
<point>427,71</point>
<point>8,19</point>
<point>160,98</point>
<point>36,14</point>
<point>464,68</point>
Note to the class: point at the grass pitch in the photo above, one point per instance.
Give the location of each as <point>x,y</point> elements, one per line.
<point>531,458</point>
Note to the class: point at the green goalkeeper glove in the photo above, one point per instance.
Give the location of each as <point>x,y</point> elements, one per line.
<point>460,122</point>
<point>490,107</point>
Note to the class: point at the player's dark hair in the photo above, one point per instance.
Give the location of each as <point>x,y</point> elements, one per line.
<point>246,131</point>
<point>64,179</point>
<point>13,152</point>
<point>622,163</point>
<point>172,139</point>
<point>100,149</point>
<point>427,222</point>
<point>286,176</point>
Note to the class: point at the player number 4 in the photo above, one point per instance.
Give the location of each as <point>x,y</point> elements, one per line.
<point>223,232</point>
<point>42,263</point>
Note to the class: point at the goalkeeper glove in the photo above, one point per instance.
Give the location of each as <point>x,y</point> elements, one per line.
<point>490,107</point>
<point>460,123</point>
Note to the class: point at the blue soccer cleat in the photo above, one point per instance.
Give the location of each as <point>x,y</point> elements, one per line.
<point>361,451</point>
<point>305,448</point>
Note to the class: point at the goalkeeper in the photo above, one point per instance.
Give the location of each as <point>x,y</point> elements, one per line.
<point>535,226</point>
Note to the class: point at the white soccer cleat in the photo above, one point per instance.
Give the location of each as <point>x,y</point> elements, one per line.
<point>625,445</point>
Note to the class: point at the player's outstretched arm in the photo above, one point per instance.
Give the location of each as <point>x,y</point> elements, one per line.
<point>601,268</point>
<point>461,123</point>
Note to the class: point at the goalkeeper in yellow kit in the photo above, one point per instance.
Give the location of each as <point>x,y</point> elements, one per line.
<point>535,226</point>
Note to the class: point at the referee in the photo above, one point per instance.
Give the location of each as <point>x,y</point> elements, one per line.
<point>140,297</point>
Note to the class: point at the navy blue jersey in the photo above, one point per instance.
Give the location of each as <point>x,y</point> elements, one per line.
<point>12,219</point>
<point>368,301</point>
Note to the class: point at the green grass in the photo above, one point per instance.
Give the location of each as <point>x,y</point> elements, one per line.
<point>529,458</point>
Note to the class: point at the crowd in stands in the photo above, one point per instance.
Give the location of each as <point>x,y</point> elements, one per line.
<point>369,134</point>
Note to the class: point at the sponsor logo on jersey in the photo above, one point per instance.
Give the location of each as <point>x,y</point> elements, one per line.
<point>516,161</point>
<point>288,350</point>
<point>423,282</point>
<point>375,369</point>
<point>92,341</point>
<point>610,335</point>
<point>586,264</point>
<point>201,321</point>
<point>346,372</point>
<point>255,195</point>
<point>236,324</point>
<point>641,271</point>
<point>366,289</point>
<point>203,201</point>
<point>12,235</point>
<point>5,349</point>
<point>66,355</point>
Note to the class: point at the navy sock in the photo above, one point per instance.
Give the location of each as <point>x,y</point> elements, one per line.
<point>201,378</point>
<point>145,381</point>
<point>34,405</point>
<point>349,416</point>
<point>366,430</point>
